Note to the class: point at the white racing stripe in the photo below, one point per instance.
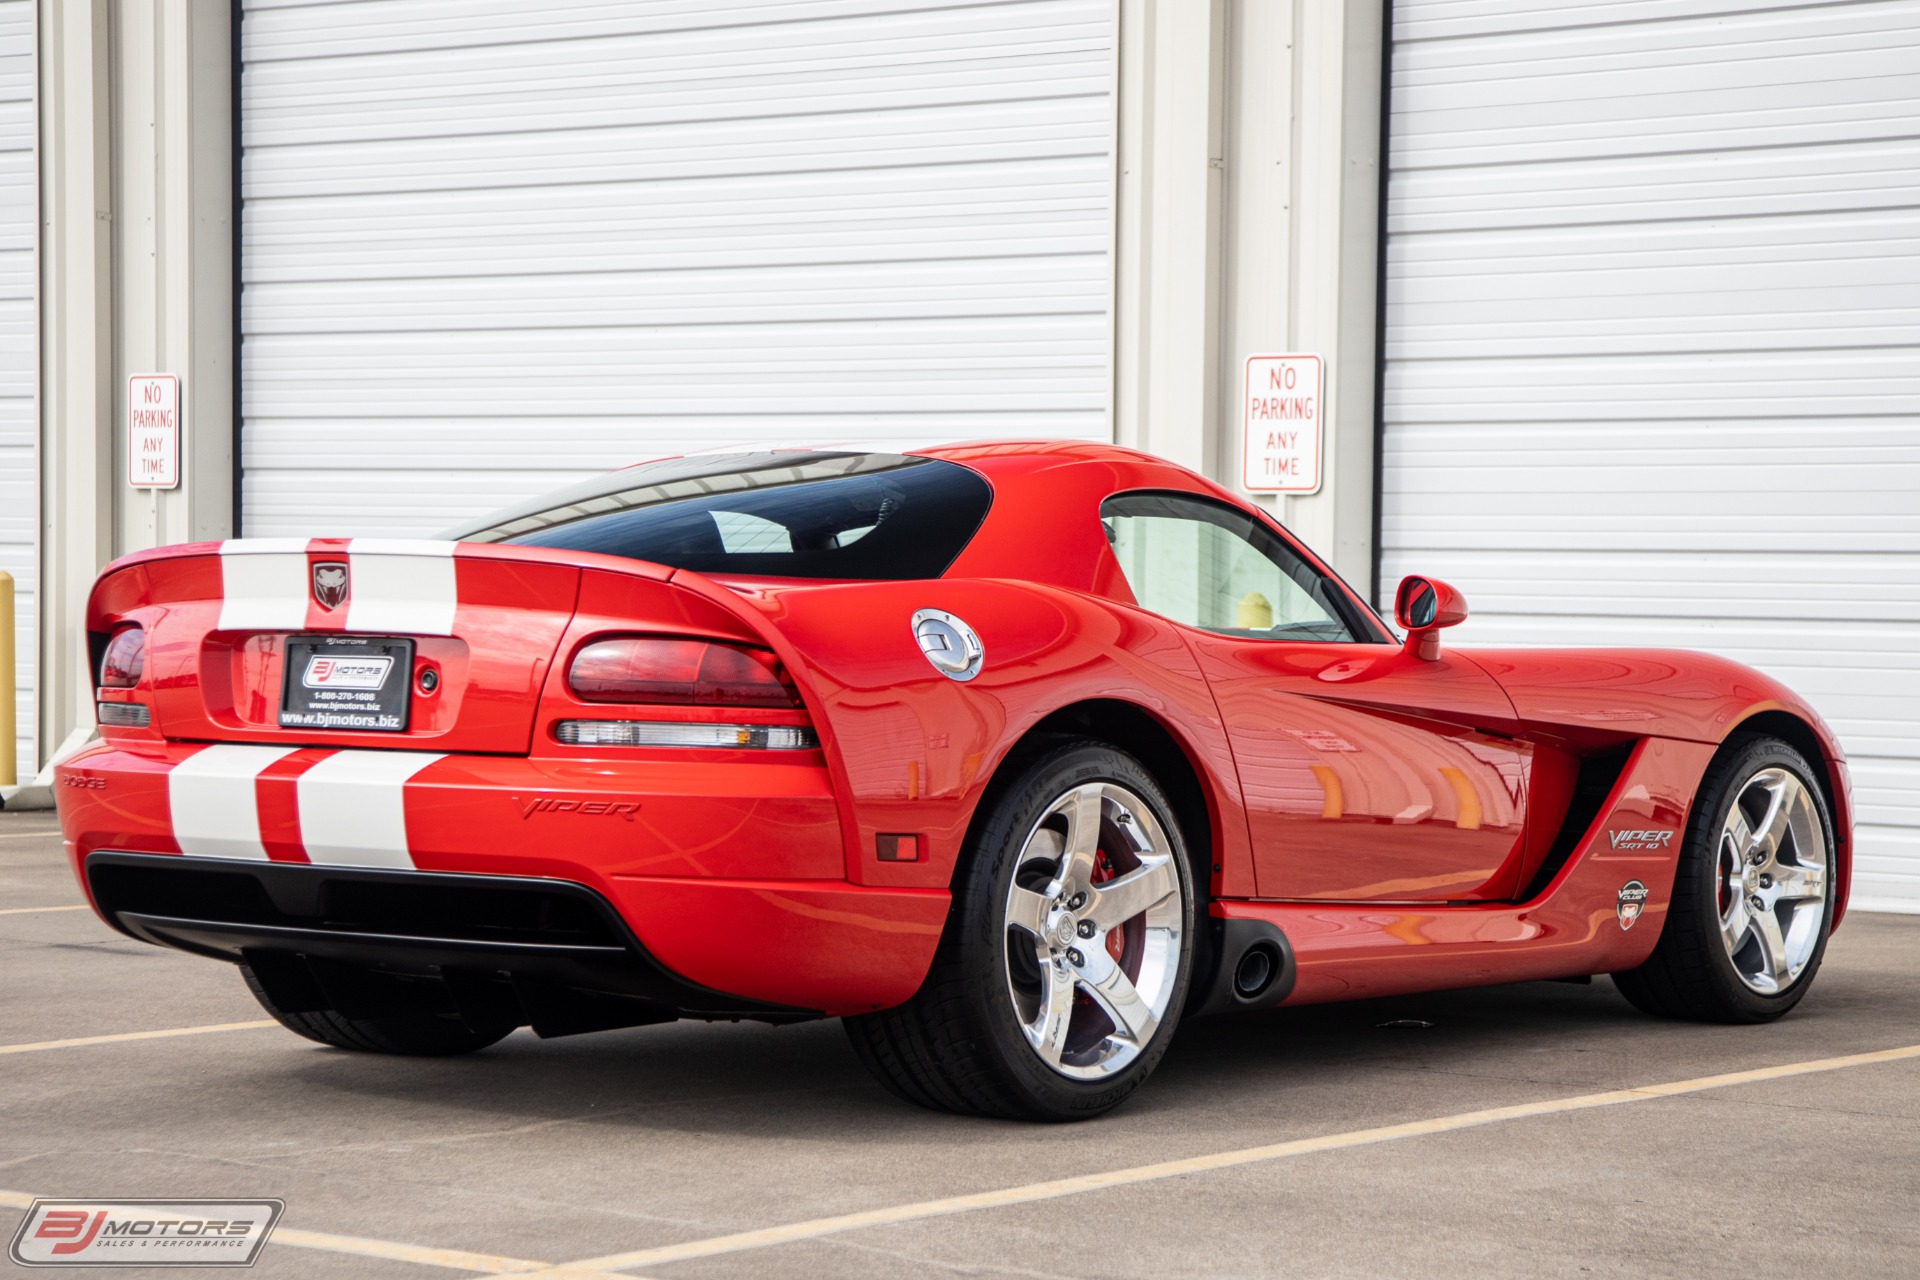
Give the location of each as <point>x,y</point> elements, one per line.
<point>263,584</point>
<point>395,586</point>
<point>211,799</point>
<point>353,810</point>
<point>401,586</point>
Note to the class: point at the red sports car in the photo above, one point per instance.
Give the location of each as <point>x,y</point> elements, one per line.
<point>1008,755</point>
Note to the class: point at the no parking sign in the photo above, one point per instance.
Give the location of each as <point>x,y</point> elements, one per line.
<point>1280,418</point>
<point>153,431</point>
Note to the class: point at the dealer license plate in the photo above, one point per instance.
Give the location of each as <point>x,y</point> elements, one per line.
<point>347,682</point>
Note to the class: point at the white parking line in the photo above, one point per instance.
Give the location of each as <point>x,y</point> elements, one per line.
<point>817,1227</point>
<point>485,1264</point>
<point>27,911</point>
<point>82,1041</point>
<point>31,835</point>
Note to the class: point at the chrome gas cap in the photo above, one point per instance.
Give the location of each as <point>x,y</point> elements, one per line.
<point>949,644</point>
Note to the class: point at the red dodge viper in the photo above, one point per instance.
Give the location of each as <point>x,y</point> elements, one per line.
<point>1008,755</point>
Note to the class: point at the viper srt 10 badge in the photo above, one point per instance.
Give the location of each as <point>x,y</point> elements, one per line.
<point>1633,896</point>
<point>1648,841</point>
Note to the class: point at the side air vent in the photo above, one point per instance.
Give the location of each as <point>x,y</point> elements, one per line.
<point>1591,787</point>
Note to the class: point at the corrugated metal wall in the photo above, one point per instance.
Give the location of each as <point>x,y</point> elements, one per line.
<point>490,245</point>
<point>19,475</point>
<point>1653,344</point>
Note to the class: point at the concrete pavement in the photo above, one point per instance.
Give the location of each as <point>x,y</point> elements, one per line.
<point>546,1152</point>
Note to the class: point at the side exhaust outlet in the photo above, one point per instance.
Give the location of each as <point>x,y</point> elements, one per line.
<point>1259,966</point>
<point>1251,968</point>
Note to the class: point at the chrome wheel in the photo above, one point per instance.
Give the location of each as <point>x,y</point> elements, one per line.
<point>1094,917</point>
<point>1772,879</point>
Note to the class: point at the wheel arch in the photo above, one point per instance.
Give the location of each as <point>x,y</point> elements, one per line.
<point>1134,729</point>
<point>1830,773</point>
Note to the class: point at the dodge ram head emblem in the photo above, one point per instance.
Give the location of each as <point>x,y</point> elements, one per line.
<point>330,584</point>
<point>948,643</point>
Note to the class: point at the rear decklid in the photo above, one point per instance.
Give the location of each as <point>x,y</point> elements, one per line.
<point>364,642</point>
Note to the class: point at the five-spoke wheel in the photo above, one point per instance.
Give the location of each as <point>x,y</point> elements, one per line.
<point>1773,880</point>
<point>1752,895</point>
<point>1067,952</point>
<point>1094,924</point>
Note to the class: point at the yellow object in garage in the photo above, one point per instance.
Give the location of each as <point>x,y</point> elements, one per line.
<point>1255,613</point>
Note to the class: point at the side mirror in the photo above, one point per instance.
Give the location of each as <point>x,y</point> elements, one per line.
<point>1421,607</point>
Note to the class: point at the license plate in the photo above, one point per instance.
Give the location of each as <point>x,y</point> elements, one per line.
<point>347,682</point>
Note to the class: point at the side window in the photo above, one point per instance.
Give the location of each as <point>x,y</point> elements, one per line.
<point>1211,567</point>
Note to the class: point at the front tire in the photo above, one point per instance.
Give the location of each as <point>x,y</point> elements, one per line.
<point>1752,896</point>
<point>1066,956</point>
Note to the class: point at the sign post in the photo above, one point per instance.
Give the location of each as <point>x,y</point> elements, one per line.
<point>1281,423</point>
<point>153,431</point>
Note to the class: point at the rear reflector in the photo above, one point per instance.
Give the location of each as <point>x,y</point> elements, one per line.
<point>127,715</point>
<point>655,733</point>
<point>125,660</point>
<point>660,669</point>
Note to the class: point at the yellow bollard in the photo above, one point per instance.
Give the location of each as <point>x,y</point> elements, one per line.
<point>8,764</point>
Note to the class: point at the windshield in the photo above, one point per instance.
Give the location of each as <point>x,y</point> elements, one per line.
<point>788,515</point>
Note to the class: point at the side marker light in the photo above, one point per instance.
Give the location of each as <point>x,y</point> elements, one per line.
<point>896,848</point>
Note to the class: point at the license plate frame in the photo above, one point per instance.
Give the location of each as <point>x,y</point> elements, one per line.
<point>347,684</point>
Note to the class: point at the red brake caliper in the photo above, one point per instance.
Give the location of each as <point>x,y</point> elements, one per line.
<point>1103,872</point>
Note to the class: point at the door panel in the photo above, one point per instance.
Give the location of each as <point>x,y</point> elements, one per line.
<point>1368,774</point>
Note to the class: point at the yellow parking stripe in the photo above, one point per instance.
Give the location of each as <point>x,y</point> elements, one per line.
<point>817,1227</point>
<point>82,1041</point>
<point>27,911</point>
<point>453,1259</point>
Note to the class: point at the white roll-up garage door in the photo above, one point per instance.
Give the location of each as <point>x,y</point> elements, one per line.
<point>1653,347</point>
<point>492,245</point>
<point>19,474</point>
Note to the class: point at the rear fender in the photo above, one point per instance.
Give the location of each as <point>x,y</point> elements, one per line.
<point>912,751</point>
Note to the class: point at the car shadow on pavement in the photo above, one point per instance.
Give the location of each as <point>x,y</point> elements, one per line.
<point>803,1081</point>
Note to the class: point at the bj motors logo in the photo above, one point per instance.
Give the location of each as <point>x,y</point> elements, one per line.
<point>347,673</point>
<point>144,1233</point>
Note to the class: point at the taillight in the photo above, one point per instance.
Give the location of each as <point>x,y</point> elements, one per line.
<point>655,669</point>
<point>125,660</point>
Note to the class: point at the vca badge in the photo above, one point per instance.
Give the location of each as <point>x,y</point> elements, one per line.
<point>330,584</point>
<point>949,644</point>
<point>1633,897</point>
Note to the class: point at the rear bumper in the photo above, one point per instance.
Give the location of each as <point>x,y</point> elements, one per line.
<point>721,885</point>
<point>545,952</point>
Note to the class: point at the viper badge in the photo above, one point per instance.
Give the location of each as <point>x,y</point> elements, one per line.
<point>330,584</point>
<point>1633,896</point>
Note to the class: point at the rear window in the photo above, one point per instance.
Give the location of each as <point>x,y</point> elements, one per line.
<point>786,515</point>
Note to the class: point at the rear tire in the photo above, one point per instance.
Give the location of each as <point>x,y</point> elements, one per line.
<point>415,1035</point>
<point>1052,996</point>
<point>1752,895</point>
